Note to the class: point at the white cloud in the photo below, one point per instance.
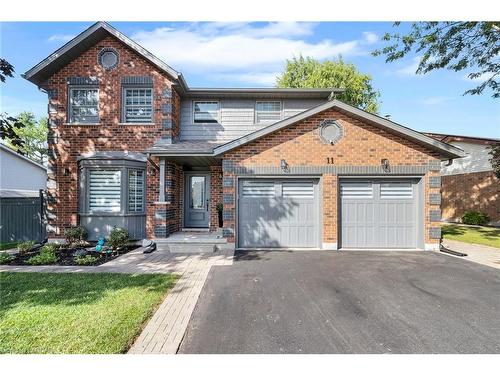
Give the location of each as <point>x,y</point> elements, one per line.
<point>255,78</point>
<point>434,100</point>
<point>370,38</point>
<point>60,38</point>
<point>409,70</point>
<point>240,51</point>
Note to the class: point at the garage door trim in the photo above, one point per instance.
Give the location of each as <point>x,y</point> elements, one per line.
<point>317,179</point>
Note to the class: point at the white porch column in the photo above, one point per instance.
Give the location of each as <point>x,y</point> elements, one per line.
<point>162,180</point>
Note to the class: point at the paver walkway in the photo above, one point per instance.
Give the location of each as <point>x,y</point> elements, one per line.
<point>487,255</point>
<point>164,332</point>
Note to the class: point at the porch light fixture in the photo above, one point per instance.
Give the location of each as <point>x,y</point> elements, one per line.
<point>384,163</point>
<point>284,165</point>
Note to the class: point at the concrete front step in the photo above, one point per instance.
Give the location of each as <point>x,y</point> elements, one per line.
<point>193,242</point>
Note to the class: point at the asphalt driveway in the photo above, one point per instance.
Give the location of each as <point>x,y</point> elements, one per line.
<point>347,302</point>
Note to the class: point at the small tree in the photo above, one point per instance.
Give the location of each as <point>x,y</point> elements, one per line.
<point>306,72</point>
<point>33,133</point>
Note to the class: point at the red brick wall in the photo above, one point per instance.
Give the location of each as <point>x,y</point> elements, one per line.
<point>67,142</point>
<point>478,191</point>
<point>361,145</point>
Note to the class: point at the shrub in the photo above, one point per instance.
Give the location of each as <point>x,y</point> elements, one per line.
<point>51,246</point>
<point>75,235</point>
<point>219,207</point>
<point>25,246</point>
<point>118,238</point>
<point>86,260</point>
<point>475,218</point>
<point>47,256</point>
<point>5,257</point>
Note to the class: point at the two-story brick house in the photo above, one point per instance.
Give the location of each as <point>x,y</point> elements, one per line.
<point>132,145</point>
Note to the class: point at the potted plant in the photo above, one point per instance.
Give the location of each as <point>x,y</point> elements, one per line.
<point>220,208</point>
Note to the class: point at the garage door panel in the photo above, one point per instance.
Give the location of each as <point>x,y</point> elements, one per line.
<point>286,213</point>
<point>378,214</point>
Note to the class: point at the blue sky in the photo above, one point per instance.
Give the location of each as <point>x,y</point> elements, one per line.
<point>252,54</point>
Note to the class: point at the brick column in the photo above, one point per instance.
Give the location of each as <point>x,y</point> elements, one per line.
<point>215,195</point>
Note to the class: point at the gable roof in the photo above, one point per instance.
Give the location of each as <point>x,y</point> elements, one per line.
<point>445,150</point>
<point>447,138</point>
<point>99,30</point>
<point>21,157</point>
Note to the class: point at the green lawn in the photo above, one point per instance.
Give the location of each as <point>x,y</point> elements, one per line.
<point>478,235</point>
<point>8,245</point>
<point>76,313</point>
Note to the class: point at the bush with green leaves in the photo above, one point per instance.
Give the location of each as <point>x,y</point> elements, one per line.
<point>5,257</point>
<point>47,255</point>
<point>25,246</point>
<point>475,218</point>
<point>75,235</point>
<point>118,238</point>
<point>86,260</point>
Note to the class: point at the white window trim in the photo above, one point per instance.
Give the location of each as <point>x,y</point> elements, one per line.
<point>205,101</point>
<point>268,101</point>
<point>70,106</point>
<point>123,105</point>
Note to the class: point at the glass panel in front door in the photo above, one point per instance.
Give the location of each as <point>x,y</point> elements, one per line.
<point>198,192</point>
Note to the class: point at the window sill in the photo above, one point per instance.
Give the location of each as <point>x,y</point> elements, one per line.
<point>158,203</point>
<point>81,124</point>
<point>137,123</point>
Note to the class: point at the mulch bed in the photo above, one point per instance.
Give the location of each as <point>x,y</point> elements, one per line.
<point>66,257</point>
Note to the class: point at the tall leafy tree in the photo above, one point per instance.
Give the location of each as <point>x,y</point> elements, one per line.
<point>8,124</point>
<point>470,46</point>
<point>33,133</point>
<point>306,72</point>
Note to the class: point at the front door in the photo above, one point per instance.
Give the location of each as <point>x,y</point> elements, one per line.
<point>197,200</point>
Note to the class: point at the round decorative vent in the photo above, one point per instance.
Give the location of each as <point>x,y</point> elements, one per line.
<point>330,131</point>
<point>108,58</point>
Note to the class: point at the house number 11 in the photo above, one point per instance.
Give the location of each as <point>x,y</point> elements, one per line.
<point>329,160</point>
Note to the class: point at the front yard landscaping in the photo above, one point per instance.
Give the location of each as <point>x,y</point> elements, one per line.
<point>472,234</point>
<point>76,313</point>
<point>74,251</point>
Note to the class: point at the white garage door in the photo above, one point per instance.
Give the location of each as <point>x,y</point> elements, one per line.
<point>379,213</point>
<point>274,213</point>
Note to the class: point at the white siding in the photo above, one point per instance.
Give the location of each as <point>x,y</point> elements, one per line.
<point>477,160</point>
<point>237,118</point>
<point>16,173</point>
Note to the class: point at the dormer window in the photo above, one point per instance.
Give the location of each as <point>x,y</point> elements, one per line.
<point>267,112</point>
<point>205,112</point>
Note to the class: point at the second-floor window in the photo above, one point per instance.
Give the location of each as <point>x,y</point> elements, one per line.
<point>84,105</point>
<point>206,112</point>
<point>138,105</point>
<point>267,112</point>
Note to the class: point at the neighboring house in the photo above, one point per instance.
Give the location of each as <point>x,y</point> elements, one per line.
<point>19,175</point>
<point>20,207</point>
<point>469,184</point>
<point>131,144</point>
